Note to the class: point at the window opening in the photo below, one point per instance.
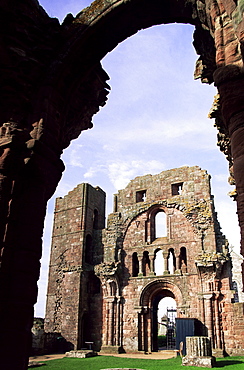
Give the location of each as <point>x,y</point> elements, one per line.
<point>177,188</point>
<point>183,261</point>
<point>145,264</point>
<point>166,323</point>
<point>171,261</point>
<point>160,225</point>
<point>95,219</point>
<point>135,265</point>
<point>159,263</point>
<point>141,196</point>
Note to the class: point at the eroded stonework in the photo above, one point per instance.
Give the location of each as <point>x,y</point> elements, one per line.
<point>52,84</point>
<point>105,284</point>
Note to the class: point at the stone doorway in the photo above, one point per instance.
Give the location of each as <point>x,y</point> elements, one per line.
<point>163,318</point>
<point>151,296</point>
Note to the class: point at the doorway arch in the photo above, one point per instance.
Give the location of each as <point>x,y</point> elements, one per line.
<point>148,319</point>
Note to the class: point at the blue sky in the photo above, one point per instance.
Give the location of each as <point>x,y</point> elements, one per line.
<point>156,118</point>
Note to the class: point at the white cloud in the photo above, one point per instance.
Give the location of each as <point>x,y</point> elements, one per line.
<point>120,173</point>
<point>92,172</point>
<point>222,178</point>
<point>75,158</point>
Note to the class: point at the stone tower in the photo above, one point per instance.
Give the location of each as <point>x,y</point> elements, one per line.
<point>73,290</point>
<point>162,240</point>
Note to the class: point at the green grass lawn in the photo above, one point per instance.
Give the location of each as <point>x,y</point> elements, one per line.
<point>103,362</point>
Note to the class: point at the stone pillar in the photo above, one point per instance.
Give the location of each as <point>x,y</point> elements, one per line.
<point>110,321</point>
<point>140,330</point>
<point>208,313</point>
<point>218,348</point>
<point>146,330</point>
<point>33,185</point>
<point>149,330</point>
<point>198,352</point>
<point>115,320</point>
<point>140,260</point>
<point>165,267</point>
<point>230,83</point>
<point>152,265</point>
<point>119,322</point>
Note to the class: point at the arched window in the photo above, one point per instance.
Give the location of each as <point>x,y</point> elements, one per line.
<point>160,225</point>
<point>135,265</point>
<point>145,264</point>
<point>183,257</point>
<point>88,250</point>
<point>95,219</point>
<point>159,262</point>
<point>171,261</point>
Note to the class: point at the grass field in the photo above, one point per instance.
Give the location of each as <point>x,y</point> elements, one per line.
<point>104,362</point>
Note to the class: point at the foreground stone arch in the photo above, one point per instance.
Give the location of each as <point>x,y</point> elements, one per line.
<point>52,84</point>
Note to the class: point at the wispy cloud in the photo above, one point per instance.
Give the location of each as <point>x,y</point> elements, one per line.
<point>120,173</point>
<point>75,158</point>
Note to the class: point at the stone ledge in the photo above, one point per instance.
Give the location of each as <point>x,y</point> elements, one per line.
<point>82,353</point>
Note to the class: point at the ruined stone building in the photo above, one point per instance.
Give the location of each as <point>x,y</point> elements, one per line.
<point>104,283</point>
<point>52,83</point>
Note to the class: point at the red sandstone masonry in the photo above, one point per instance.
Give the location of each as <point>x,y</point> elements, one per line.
<point>111,282</point>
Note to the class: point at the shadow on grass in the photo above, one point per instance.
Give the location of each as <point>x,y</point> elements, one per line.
<point>223,363</point>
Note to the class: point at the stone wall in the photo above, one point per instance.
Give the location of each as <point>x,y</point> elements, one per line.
<point>73,290</point>
<point>110,279</point>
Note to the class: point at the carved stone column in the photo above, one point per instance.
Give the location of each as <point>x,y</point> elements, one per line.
<point>217,322</point>
<point>165,265</point>
<point>110,321</point>
<point>230,83</point>
<point>37,175</point>
<point>208,313</point>
<point>140,260</point>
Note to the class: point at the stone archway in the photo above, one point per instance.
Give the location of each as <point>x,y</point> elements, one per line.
<point>149,299</point>
<point>52,84</point>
